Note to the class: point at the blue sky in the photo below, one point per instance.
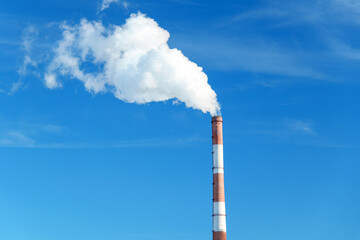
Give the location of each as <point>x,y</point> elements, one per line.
<point>79,165</point>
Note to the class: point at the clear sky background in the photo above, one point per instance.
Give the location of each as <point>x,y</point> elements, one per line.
<point>75,165</point>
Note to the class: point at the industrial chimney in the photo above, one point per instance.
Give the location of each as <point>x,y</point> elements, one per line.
<point>219,215</point>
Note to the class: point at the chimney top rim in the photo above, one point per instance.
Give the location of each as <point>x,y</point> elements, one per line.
<point>216,119</point>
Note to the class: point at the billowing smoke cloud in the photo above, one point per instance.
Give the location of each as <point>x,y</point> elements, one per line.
<point>132,61</point>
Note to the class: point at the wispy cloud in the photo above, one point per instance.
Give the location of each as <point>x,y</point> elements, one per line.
<point>342,49</point>
<point>25,133</point>
<point>236,54</point>
<point>15,87</point>
<point>329,27</point>
<point>16,139</point>
<point>160,142</point>
<point>10,42</point>
<point>30,34</point>
<point>293,131</point>
<point>319,13</point>
<point>187,2</point>
<point>348,6</point>
<point>283,129</point>
<point>257,14</point>
<point>283,14</point>
<point>20,140</point>
<point>304,127</point>
<point>353,4</point>
<point>106,4</point>
<point>29,134</point>
<point>34,46</point>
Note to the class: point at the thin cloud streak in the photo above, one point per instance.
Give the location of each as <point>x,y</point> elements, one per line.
<point>287,14</point>
<point>19,140</point>
<point>304,127</point>
<point>16,139</point>
<point>15,87</point>
<point>10,42</point>
<point>23,133</point>
<point>27,134</point>
<point>323,20</point>
<point>240,55</point>
<point>160,142</point>
<point>344,50</point>
<point>293,131</point>
<point>349,6</point>
<point>29,37</point>
<point>106,4</point>
<point>186,2</point>
<point>257,14</point>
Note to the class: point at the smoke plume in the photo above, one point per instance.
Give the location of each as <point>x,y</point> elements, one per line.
<point>132,61</point>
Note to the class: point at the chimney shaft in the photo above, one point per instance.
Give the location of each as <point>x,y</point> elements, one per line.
<point>219,215</point>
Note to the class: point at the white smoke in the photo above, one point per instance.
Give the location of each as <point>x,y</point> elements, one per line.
<point>132,61</point>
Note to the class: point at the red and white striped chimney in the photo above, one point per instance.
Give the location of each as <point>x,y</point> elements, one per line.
<point>219,215</point>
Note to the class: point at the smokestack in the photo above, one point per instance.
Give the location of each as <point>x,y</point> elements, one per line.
<point>219,215</point>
